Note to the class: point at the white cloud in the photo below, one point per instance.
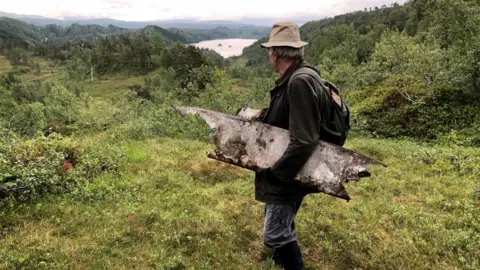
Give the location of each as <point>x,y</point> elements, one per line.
<point>142,10</point>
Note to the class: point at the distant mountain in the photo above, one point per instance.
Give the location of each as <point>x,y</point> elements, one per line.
<point>21,34</point>
<point>16,16</point>
<point>183,30</point>
<point>177,23</point>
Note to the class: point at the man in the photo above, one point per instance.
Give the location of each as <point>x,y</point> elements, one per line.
<point>297,104</point>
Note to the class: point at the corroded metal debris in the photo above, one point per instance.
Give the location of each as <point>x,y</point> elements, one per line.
<point>244,142</point>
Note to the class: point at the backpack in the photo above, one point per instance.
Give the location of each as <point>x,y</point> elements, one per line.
<point>335,124</point>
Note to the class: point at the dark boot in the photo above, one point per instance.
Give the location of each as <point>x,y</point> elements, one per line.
<point>290,256</point>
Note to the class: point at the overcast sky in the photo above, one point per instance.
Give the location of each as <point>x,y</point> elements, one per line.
<point>143,10</point>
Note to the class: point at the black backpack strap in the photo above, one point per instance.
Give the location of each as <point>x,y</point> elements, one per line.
<point>309,71</point>
<point>315,75</point>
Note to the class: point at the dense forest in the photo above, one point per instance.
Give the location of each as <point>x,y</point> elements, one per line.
<point>98,170</point>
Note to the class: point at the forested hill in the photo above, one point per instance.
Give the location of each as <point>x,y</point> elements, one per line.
<point>13,32</point>
<point>16,29</point>
<point>94,49</point>
<point>18,33</point>
<point>328,33</point>
<point>407,70</point>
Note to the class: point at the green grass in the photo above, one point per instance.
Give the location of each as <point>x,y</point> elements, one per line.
<point>102,87</point>
<point>239,62</point>
<point>172,208</point>
<point>48,70</point>
<point>111,85</point>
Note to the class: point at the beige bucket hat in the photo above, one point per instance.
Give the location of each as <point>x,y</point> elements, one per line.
<point>284,33</point>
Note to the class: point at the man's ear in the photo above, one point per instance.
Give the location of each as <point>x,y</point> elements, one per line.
<point>274,55</point>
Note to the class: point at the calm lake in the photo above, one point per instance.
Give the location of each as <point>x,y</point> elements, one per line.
<point>226,47</point>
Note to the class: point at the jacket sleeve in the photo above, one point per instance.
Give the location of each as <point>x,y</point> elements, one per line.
<point>304,129</point>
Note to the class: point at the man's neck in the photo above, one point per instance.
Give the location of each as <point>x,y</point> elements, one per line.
<point>283,66</point>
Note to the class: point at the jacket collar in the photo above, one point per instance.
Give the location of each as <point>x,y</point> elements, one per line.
<point>294,66</point>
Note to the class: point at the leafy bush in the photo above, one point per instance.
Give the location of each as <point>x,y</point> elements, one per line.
<point>388,110</point>
<point>28,108</point>
<point>60,106</point>
<point>27,119</point>
<point>17,56</point>
<point>54,164</point>
<point>30,91</point>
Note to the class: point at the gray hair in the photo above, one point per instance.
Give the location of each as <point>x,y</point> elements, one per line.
<point>290,53</point>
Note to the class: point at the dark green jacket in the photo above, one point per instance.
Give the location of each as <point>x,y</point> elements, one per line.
<point>299,109</point>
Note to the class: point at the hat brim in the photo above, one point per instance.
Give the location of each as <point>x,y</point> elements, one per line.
<point>294,44</point>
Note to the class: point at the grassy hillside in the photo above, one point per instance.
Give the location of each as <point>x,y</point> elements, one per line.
<point>172,208</point>
<point>152,200</point>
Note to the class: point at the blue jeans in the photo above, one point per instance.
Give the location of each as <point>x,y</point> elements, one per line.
<point>279,224</point>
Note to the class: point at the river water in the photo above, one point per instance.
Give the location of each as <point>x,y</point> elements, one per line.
<point>226,47</point>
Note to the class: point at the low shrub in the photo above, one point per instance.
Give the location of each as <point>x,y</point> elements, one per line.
<point>50,165</point>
